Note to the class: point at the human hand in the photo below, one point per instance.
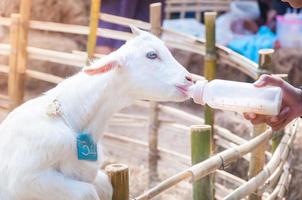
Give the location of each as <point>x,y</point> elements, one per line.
<point>291,106</point>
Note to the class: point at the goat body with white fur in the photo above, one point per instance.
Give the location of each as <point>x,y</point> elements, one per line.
<point>38,140</point>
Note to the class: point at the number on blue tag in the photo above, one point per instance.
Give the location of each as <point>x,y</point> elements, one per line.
<point>87,148</point>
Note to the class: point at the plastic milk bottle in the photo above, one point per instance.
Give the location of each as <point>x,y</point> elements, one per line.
<point>237,96</point>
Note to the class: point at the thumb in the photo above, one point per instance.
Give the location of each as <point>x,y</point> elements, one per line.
<point>266,80</point>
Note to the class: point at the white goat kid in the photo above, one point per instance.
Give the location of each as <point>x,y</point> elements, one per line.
<point>41,157</point>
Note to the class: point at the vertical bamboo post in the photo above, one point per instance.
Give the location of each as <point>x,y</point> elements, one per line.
<point>13,58</point>
<point>25,10</point>
<point>278,134</point>
<point>210,60</point>
<point>93,27</point>
<point>258,155</point>
<point>155,21</point>
<point>276,139</point>
<point>201,148</point>
<point>119,176</point>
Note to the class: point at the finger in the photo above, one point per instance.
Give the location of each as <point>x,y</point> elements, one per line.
<point>281,116</point>
<point>276,124</point>
<point>259,119</point>
<point>266,80</point>
<point>249,116</point>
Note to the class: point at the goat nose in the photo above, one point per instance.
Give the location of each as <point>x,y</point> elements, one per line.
<point>189,78</point>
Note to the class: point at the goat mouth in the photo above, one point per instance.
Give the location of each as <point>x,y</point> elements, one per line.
<point>184,89</point>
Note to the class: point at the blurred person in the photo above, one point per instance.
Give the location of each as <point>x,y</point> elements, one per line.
<point>134,9</point>
<point>269,9</point>
<point>291,107</point>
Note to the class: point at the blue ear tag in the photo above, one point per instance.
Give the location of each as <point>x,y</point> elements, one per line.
<point>87,148</point>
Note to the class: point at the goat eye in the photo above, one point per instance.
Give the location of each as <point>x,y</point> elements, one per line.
<point>152,55</point>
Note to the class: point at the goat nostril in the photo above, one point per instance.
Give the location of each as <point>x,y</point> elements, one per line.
<point>189,78</point>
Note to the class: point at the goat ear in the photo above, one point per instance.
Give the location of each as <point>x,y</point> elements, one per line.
<point>135,30</point>
<point>100,68</point>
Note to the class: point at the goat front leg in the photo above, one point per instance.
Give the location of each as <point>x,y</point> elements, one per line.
<point>103,186</point>
<point>52,185</point>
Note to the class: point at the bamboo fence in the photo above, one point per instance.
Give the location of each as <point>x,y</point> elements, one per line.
<point>272,179</point>
<point>182,7</point>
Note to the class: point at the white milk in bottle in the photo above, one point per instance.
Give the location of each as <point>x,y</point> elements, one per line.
<point>237,96</point>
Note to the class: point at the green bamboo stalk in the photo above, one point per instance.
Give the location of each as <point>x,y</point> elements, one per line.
<point>210,62</point>
<point>210,59</point>
<point>201,148</point>
<point>278,134</point>
<point>258,155</point>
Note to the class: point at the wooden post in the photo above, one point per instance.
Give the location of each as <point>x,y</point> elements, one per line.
<point>25,10</point>
<point>201,148</point>
<point>278,134</point>
<point>119,176</point>
<point>210,60</point>
<point>276,139</point>
<point>13,58</point>
<point>93,27</point>
<point>258,155</point>
<point>155,21</point>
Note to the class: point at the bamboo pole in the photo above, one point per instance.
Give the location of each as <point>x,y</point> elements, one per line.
<point>201,148</point>
<point>25,11</point>
<point>93,27</point>
<point>155,21</point>
<point>119,176</point>
<point>278,134</point>
<point>124,21</point>
<point>277,139</point>
<point>163,152</point>
<point>172,39</point>
<point>210,60</point>
<point>208,166</point>
<point>280,155</point>
<point>258,155</point>
<point>13,60</point>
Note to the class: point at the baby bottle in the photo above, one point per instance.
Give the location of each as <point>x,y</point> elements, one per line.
<point>237,96</point>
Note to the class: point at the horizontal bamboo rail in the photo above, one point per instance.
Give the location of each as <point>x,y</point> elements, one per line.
<point>4,69</point>
<point>124,21</point>
<point>57,57</point>
<point>221,138</point>
<point>272,180</point>
<point>197,6</point>
<point>185,158</point>
<point>220,174</point>
<point>4,97</point>
<point>279,155</point>
<point>208,166</point>
<point>172,39</point>
<point>282,186</point>
<point>181,41</point>
<point>4,49</point>
<point>43,76</point>
<point>194,8</point>
<point>199,1</point>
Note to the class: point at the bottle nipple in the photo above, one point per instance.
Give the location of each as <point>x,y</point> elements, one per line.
<point>196,91</point>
